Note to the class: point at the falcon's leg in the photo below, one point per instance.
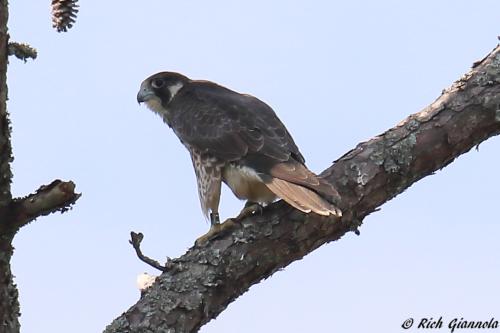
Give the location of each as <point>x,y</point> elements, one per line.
<point>214,219</point>
<point>250,209</point>
<point>216,229</point>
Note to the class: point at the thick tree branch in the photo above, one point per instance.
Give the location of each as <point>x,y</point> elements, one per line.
<point>9,304</point>
<point>58,196</point>
<point>206,279</point>
<point>9,296</point>
<point>5,147</point>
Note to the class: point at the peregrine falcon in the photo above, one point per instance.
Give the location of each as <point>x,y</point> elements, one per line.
<point>236,139</point>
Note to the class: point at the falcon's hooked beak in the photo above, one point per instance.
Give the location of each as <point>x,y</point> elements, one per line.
<point>145,93</point>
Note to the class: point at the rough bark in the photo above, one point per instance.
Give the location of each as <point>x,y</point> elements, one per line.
<point>9,305</point>
<point>199,285</point>
<point>5,147</point>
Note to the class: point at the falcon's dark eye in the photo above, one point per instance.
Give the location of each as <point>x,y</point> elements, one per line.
<point>157,83</point>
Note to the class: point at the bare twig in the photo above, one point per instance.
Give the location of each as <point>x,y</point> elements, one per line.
<point>135,240</point>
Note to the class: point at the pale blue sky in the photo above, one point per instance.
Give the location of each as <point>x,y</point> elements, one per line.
<point>335,72</point>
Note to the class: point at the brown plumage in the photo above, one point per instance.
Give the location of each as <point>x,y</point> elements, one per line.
<point>299,186</point>
<point>236,139</point>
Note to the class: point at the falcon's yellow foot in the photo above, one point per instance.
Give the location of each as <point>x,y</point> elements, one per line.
<point>216,230</point>
<point>250,209</point>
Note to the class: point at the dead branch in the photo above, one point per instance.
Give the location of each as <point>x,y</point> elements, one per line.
<point>21,51</point>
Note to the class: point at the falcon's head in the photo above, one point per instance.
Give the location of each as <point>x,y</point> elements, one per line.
<point>159,89</point>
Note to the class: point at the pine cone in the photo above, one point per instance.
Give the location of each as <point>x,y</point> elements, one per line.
<point>64,14</point>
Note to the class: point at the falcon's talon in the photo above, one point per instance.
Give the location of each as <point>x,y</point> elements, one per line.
<point>216,230</point>
<point>250,209</point>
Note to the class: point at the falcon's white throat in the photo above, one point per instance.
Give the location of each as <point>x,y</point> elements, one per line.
<point>154,104</point>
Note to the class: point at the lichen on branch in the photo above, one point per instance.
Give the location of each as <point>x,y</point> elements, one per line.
<point>21,51</point>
